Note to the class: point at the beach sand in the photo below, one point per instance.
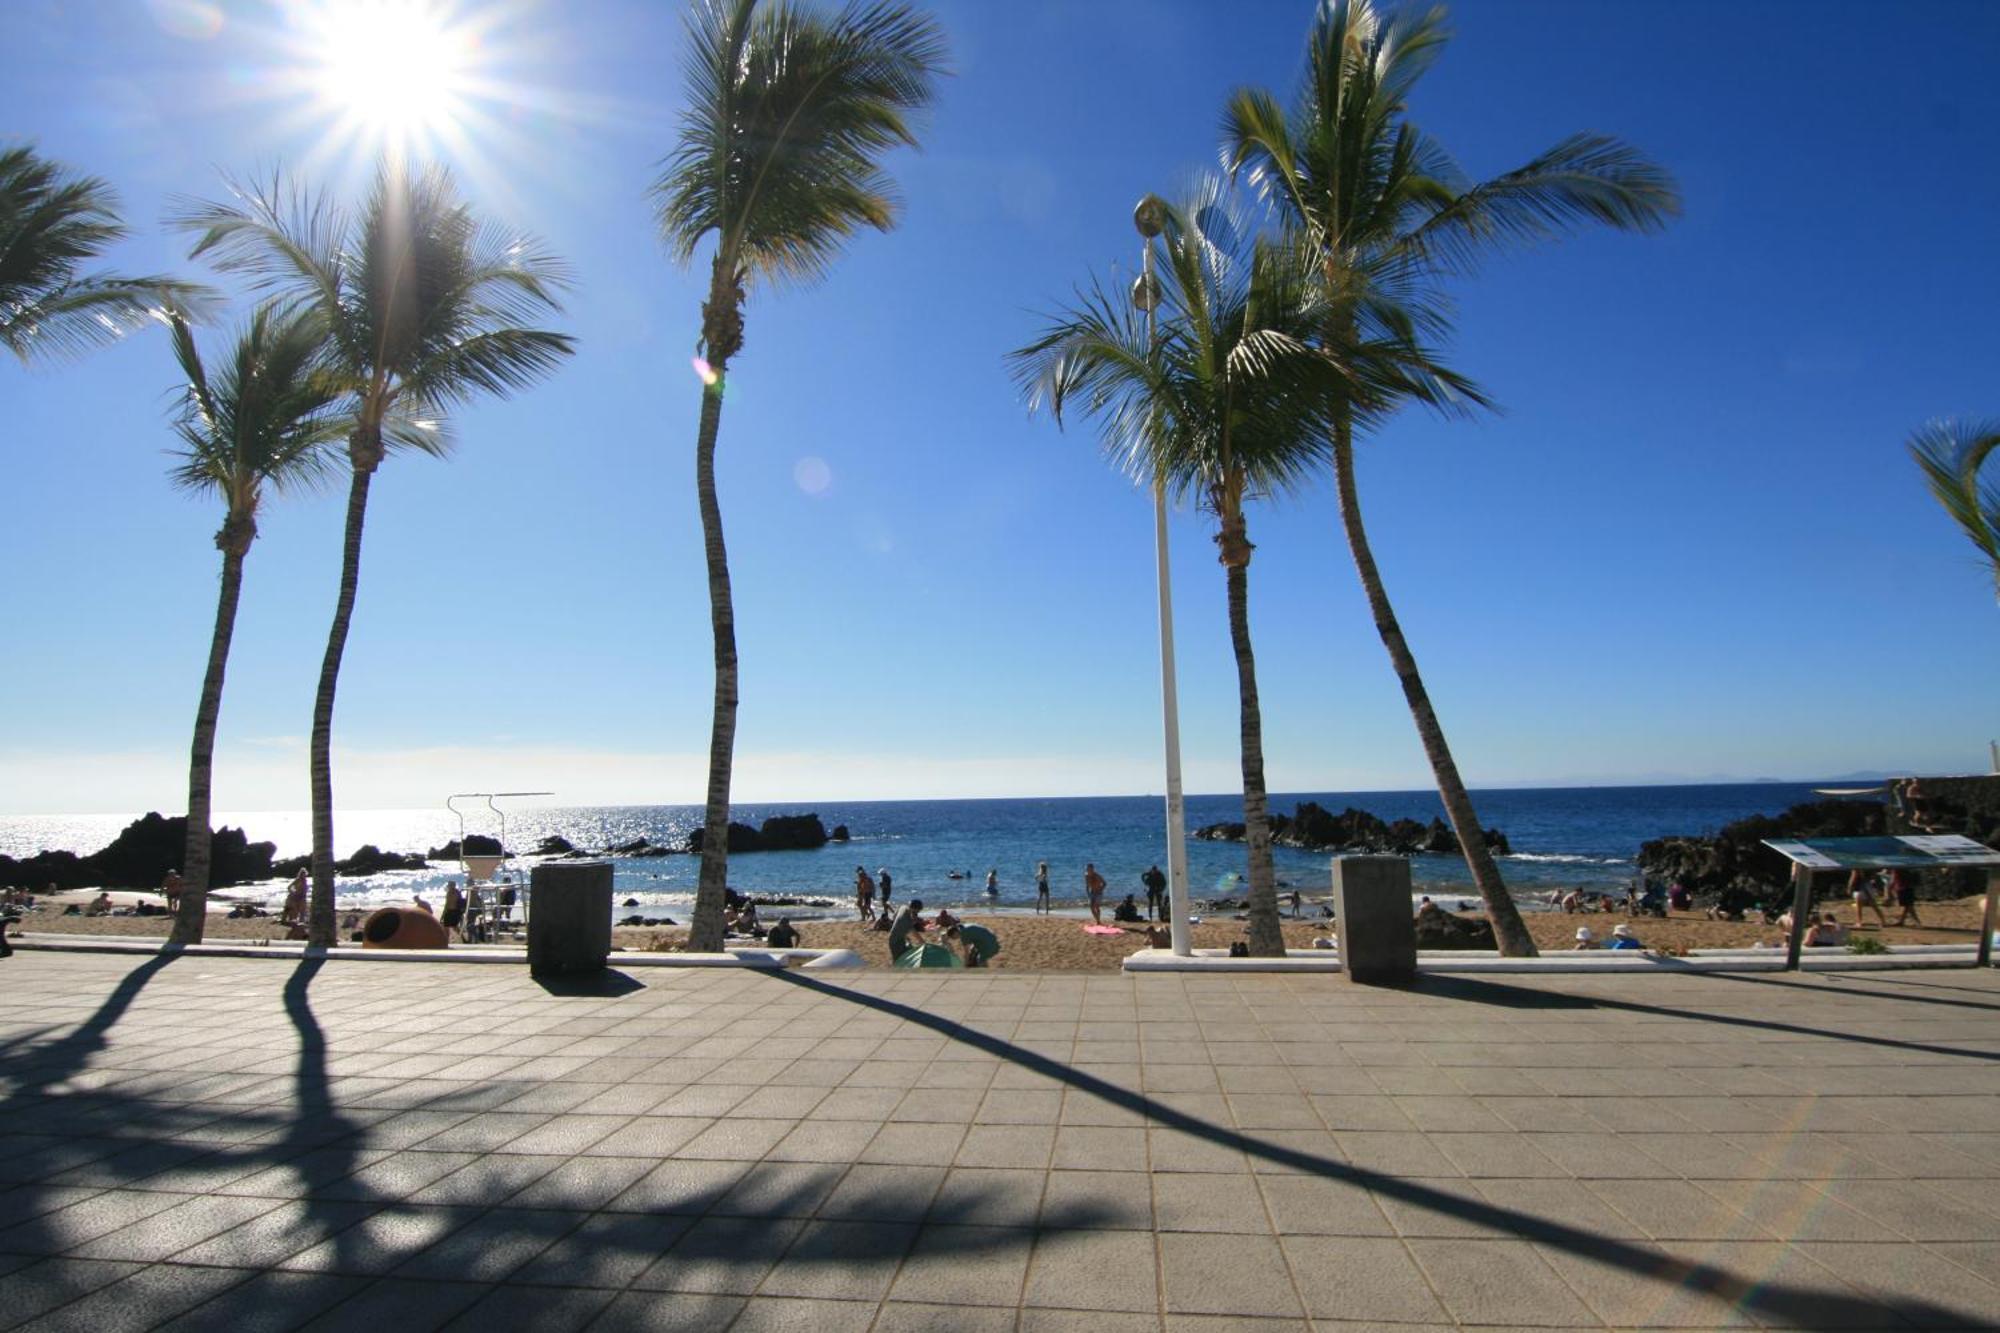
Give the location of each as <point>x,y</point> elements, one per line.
<point>1059,943</point>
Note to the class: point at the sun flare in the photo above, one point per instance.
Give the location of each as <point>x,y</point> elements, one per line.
<point>393,71</point>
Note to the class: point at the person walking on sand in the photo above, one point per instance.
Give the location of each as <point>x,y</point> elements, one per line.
<point>887,885</point>
<point>1861,887</point>
<point>294,911</point>
<point>1042,886</point>
<point>170,888</point>
<point>864,893</point>
<point>1156,888</point>
<point>1903,893</point>
<point>454,910</point>
<point>1093,884</point>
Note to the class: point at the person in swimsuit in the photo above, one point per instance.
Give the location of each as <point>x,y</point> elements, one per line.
<point>1093,884</point>
<point>993,882</point>
<point>1861,887</point>
<point>864,893</point>
<point>1903,893</point>
<point>1041,886</point>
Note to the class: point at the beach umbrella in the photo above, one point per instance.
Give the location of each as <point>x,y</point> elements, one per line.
<point>983,941</point>
<point>929,955</point>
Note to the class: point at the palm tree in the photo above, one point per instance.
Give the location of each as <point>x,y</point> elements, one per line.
<point>264,419</point>
<point>1226,402</point>
<point>1951,454</point>
<point>51,222</point>
<point>425,308</point>
<point>790,111</point>
<point>1388,214</point>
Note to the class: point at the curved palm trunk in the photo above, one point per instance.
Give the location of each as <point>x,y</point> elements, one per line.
<point>191,915</point>
<point>320,915</point>
<point>722,334</point>
<point>1511,933</point>
<point>1267,940</point>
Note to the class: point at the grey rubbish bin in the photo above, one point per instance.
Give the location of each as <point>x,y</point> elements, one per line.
<point>569,924</point>
<point>1374,920</point>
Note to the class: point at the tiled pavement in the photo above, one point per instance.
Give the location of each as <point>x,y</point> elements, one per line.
<point>249,1144</point>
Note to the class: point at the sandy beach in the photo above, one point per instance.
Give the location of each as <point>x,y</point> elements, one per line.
<point>1060,944</point>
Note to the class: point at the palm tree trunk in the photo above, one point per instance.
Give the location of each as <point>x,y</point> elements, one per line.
<point>1267,939</point>
<point>1511,933</point>
<point>320,914</point>
<point>722,334</point>
<point>191,915</point>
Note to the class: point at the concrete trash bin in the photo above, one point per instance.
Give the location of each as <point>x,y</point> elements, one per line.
<point>1374,919</point>
<point>569,918</point>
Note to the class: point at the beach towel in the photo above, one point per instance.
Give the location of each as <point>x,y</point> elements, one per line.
<point>1102,930</point>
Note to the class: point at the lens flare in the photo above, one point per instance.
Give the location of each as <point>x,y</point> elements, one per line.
<point>706,373</point>
<point>812,475</point>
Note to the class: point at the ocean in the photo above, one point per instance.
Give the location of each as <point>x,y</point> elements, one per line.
<point>1562,838</point>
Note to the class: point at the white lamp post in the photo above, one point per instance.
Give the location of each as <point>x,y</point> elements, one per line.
<point>1150,217</point>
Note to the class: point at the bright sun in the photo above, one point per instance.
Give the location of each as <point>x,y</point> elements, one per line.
<point>396,72</point>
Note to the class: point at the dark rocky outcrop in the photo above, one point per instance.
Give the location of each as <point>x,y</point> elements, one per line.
<point>1440,929</point>
<point>553,845</point>
<point>779,833</point>
<point>476,844</point>
<point>140,857</point>
<point>839,833</point>
<point>1313,828</point>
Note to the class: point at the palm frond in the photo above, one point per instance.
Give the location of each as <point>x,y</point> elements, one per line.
<point>1952,454</point>
<point>51,223</point>
<point>789,113</point>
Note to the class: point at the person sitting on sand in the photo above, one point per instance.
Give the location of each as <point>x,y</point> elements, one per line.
<point>1861,888</point>
<point>783,935</point>
<point>1127,911</point>
<point>418,901</point>
<point>1430,914</point>
<point>1826,933</point>
<point>1623,937</point>
<point>944,920</point>
<point>1584,939</point>
<point>98,906</point>
<point>908,923</point>
<point>1093,885</point>
<point>1572,901</point>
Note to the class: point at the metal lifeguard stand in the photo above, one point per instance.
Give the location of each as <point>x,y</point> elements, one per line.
<point>482,869</point>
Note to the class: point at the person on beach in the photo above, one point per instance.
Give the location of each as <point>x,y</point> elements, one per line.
<point>1093,885</point>
<point>1584,939</point>
<point>864,893</point>
<point>886,884</point>
<point>1861,888</point>
<point>1917,808</point>
<point>454,909</point>
<point>993,882</point>
<point>1156,888</point>
<point>417,901</point>
<point>170,888</point>
<point>783,935</point>
<point>1826,933</point>
<point>1903,893</point>
<point>976,942</point>
<point>1127,912</point>
<point>295,902</point>
<point>1623,937</point>
<point>1042,886</point>
<point>908,923</point>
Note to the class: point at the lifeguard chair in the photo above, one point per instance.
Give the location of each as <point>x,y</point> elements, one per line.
<point>505,891</point>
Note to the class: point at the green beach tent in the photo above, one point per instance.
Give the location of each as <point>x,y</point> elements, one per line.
<point>929,955</point>
<point>983,941</point>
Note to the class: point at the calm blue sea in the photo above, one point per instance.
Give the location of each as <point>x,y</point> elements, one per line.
<point>1562,838</point>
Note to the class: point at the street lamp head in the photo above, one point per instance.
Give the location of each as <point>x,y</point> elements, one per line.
<point>1146,292</point>
<point>1150,217</point>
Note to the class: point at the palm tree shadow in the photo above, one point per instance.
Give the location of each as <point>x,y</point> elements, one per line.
<point>1507,995</point>
<point>1801,1306</point>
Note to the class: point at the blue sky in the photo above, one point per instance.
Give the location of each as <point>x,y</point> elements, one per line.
<point>1693,546</point>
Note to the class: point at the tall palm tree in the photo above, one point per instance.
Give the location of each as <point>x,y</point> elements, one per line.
<point>425,307</point>
<point>1388,214</point>
<point>1951,454</point>
<point>265,418</point>
<point>1227,401</point>
<point>778,156</point>
<point>51,222</point>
